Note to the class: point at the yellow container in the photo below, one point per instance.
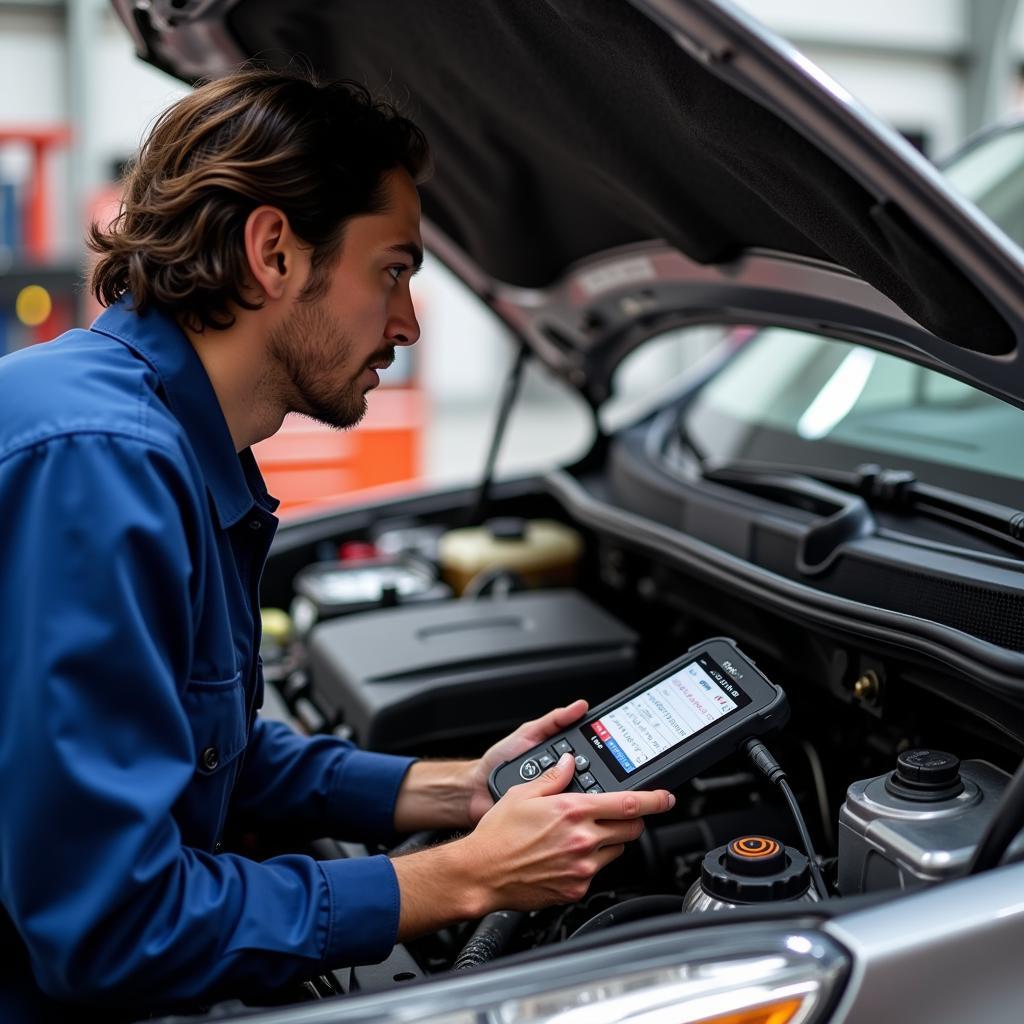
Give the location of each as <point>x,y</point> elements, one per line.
<point>542,552</point>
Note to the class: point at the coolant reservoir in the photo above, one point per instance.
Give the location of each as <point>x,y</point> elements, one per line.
<point>542,552</point>
<point>919,824</point>
<point>751,870</point>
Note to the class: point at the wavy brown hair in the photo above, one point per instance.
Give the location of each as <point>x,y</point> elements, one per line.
<point>319,152</point>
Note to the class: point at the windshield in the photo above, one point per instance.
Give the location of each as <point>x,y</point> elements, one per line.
<point>803,399</point>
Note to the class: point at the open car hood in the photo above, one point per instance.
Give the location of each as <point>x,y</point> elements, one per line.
<point>606,168</point>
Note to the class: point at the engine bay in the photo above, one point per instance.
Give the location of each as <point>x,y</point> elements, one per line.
<point>410,635</point>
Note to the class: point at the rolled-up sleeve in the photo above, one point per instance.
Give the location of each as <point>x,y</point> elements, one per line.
<point>111,905</point>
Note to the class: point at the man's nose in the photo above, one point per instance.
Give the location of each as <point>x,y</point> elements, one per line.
<point>403,328</point>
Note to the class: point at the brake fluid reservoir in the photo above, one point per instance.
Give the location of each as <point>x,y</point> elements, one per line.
<point>542,552</point>
<point>750,870</point>
<point>916,825</point>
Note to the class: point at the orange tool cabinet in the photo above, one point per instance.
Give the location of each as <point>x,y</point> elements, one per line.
<point>305,462</point>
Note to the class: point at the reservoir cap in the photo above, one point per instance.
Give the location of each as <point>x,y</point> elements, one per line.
<point>926,775</point>
<point>755,869</point>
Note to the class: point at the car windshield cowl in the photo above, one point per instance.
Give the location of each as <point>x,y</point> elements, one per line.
<point>828,491</point>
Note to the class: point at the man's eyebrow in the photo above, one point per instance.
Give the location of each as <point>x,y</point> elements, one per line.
<point>412,250</point>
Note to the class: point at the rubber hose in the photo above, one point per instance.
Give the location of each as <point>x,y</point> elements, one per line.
<point>489,939</point>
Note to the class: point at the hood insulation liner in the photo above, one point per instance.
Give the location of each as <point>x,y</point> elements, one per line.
<point>564,127</point>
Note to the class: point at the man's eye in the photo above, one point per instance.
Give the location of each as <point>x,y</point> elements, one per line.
<point>397,271</point>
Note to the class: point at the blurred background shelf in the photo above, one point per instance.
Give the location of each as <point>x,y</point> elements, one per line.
<point>39,289</point>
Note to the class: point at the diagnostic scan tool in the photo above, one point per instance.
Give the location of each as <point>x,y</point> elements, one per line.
<point>663,730</point>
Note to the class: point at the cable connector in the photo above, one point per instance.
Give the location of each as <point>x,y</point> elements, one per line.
<point>763,761</point>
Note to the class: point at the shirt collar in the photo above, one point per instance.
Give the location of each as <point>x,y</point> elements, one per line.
<point>233,480</point>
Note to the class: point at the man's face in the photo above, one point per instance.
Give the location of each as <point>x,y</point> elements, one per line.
<point>329,349</point>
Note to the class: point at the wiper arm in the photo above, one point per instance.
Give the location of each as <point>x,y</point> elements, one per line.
<point>899,490</point>
<point>893,490</point>
<point>843,517</point>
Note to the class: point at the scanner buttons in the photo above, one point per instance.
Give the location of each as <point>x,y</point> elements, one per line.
<point>533,766</point>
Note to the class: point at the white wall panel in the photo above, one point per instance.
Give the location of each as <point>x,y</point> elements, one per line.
<point>1017,33</point>
<point>918,95</point>
<point>127,94</point>
<point>914,24</point>
<point>32,79</point>
<point>465,349</point>
<point>911,80</point>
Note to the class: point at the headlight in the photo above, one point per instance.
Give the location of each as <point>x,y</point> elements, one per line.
<point>737,974</point>
<point>782,982</point>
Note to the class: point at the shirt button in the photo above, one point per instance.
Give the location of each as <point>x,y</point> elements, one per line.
<point>210,758</point>
<point>255,524</point>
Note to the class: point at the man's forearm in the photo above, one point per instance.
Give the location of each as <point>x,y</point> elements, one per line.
<point>434,794</point>
<point>437,889</point>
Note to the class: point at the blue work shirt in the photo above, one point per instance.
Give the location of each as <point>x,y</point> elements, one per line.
<point>132,539</point>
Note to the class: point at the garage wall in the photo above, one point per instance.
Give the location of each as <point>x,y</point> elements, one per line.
<point>32,81</point>
<point>902,60</point>
<point>915,24</point>
<point>125,96</point>
<point>920,96</point>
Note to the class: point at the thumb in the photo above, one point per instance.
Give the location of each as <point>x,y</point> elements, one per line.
<point>555,779</point>
<point>570,713</point>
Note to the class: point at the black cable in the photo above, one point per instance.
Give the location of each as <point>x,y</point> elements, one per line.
<point>508,398</point>
<point>1003,827</point>
<point>765,763</point>
<point>821,793</point>
<point>805,838</point>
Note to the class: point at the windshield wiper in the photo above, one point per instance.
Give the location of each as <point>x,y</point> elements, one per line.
<point>893,490</point>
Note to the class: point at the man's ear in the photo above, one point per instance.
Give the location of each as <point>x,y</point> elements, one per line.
<point>271,252</point>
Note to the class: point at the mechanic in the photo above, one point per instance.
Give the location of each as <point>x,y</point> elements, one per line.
<point>260,265</point>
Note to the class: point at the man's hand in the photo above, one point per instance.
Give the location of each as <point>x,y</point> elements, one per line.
<point>536,847</point>
<point>528,735</point>
<point>539,845</point>
<point>454,794</point>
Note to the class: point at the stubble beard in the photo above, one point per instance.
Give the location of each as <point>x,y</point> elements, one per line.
<point>311,352</point>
